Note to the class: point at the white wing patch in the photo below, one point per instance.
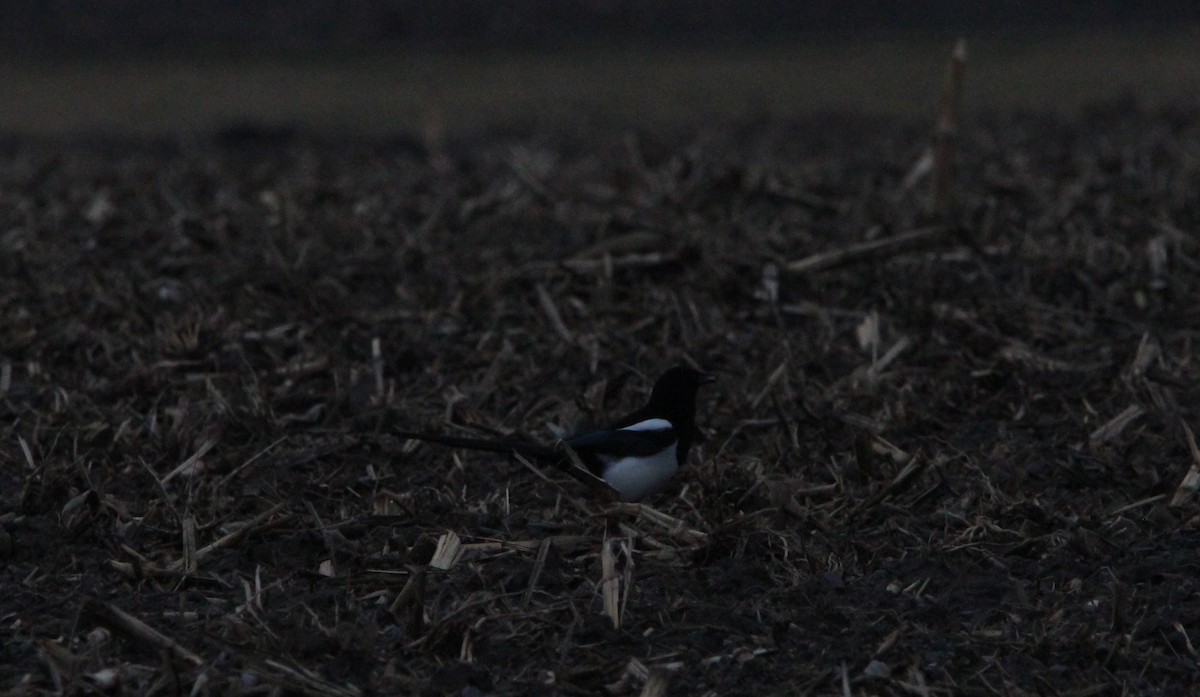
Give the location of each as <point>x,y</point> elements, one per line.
<point>650,425</point>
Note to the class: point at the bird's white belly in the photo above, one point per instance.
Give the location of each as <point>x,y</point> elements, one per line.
<point>637,477</point>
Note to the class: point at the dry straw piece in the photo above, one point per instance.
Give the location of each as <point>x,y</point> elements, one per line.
<point>945,134</point>
<point>610,584</point>
<point>120,621</point>
<point>1113,428</point>
<point>1191,481</point>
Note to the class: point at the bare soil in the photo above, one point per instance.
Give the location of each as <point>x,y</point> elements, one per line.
<point>956,466</point>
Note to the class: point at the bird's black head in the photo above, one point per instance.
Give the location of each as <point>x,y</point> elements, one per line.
<point>681,380</point>
<point>674,394</point>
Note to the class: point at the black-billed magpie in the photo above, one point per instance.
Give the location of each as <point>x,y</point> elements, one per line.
<point>637,455</point>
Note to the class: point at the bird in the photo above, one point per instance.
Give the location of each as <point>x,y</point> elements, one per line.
<point>637,455</point>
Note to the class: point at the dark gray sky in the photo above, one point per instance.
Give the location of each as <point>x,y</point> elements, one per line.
<point>33,27</point>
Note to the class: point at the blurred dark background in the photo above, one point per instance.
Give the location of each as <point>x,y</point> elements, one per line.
<point>37,27</point>
<point>470,66</point>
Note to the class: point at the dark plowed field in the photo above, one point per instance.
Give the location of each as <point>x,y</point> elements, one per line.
<point>952,463</point>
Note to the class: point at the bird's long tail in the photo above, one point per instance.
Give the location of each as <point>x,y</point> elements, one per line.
<point>532,451</point>
<point>542,453</point>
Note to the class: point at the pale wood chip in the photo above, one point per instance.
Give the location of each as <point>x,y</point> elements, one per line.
<point>449,551</point>
<point>657,685</point>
